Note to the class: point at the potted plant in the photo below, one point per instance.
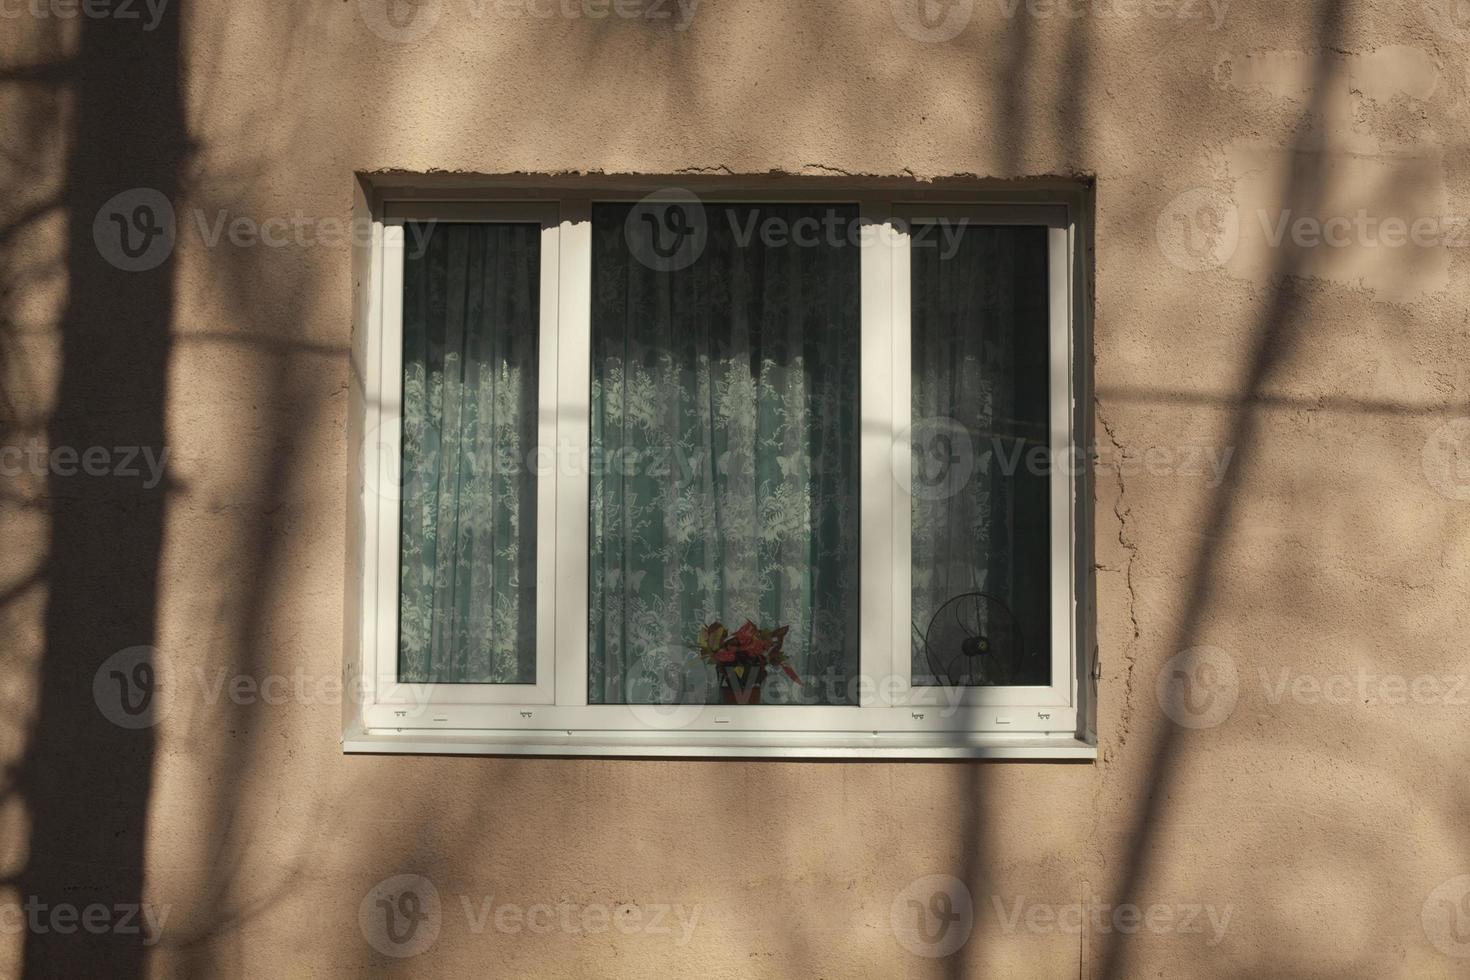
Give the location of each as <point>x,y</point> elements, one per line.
<point>742,658</point>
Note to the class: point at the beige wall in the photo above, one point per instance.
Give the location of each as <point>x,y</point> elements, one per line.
<point>1323,832</point>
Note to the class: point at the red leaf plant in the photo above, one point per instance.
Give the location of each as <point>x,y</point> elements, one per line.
<point>749,646</point>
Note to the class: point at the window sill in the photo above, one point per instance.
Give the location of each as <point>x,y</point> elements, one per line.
<point>745,745</point>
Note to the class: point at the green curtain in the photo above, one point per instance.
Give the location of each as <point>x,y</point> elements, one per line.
<point>467,609</point>
<point>979,372</point>
<point>725,454</point>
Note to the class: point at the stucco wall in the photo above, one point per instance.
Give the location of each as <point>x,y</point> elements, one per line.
<point>1290,496</point>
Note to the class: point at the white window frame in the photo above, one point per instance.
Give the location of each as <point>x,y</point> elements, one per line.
<point>384,458</point>
<point>552,717</point>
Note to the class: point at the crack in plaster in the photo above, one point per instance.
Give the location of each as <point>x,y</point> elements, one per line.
<point>1122,512</point>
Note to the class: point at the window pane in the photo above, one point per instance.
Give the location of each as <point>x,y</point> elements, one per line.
<point>467,602</point>
<point>980,502</point>
<point>725,450</point>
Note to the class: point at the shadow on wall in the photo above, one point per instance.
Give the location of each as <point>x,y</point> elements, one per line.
<point>1276,335</point>
<point>86,778</point>
<point>84,781</point>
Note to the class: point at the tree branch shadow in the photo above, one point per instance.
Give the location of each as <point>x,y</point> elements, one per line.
<point>1276,333</point>
<point>105,542</point>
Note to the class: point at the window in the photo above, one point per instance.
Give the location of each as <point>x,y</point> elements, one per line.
<point>743,473</point>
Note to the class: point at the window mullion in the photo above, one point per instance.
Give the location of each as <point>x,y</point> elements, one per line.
<point>899,348</point>
<point>384,466</point>
<point>878,491</point>
<point>573,434</point>
<point>545,458</point>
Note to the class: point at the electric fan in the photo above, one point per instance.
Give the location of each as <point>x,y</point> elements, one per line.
<point>973,640</point>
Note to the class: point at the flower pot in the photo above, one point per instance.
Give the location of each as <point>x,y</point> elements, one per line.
<point>740,685</point>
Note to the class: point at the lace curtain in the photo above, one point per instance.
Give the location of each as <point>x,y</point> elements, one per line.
<point>724,433</point>
<point>467,607</point>
<point>724,411</point>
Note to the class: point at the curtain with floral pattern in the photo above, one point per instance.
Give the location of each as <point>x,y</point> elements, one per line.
<point>467,609</point>
<point>725,453</point>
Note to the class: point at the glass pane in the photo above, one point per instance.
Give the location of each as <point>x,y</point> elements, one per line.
<point>725,454</point>
<point>980,500</point>
<point>467,599</point>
